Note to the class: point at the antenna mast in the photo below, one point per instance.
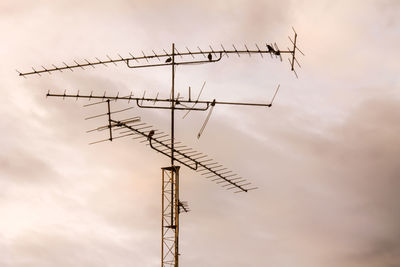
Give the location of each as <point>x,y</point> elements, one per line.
<point>159,141</point>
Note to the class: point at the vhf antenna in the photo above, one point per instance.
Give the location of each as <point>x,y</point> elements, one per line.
<point>162,142</point>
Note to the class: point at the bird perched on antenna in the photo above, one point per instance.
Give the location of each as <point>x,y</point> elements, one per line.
<point>270,48</point>
<point>151,133</point>
<point>209,57</point>
<point>168,60</point>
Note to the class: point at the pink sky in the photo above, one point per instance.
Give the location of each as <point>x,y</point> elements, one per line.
<point>325,156</point>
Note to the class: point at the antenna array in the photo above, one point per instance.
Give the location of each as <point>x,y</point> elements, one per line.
<point>165,59</point>
<point>158,140</point>
<point>164,143</point>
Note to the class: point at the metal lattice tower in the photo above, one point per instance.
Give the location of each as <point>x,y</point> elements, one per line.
<point>170,216</point>
<point>165,143</point>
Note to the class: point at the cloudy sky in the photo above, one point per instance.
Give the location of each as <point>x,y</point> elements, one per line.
<point>326,156</point>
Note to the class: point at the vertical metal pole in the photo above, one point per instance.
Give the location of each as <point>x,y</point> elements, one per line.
<point>174,173</point>
<point>172,128</point>
<point>173,105</point>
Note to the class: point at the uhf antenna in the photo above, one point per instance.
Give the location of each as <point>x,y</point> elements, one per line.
<point>165,143</point>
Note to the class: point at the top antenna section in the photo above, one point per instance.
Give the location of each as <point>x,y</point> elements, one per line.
<point>194,56</point>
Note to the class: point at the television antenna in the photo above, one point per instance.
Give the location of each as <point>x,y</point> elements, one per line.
<point>166,144</point>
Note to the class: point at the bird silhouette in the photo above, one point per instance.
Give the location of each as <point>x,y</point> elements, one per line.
<point>168,60</point>
<point>270,48</point>
<point>150,135</point>
<point>209,56</point>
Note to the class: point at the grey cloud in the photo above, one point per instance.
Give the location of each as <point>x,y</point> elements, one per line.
<point>342,185</point>
<point>365,152</point>
<point>20,166</point>
<point>52,248</point>
<point>384,252</point>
